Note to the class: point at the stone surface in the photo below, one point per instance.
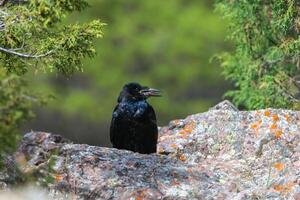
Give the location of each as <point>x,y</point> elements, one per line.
<point>220,154</point>
<point>9,174</point>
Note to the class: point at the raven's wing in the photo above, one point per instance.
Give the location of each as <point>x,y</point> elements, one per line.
<point>151,115</point>
<point>114,129</point>
<point>151,132</point>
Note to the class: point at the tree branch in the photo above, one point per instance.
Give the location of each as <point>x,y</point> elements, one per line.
<point>2,26</point>
<point>23,54</point>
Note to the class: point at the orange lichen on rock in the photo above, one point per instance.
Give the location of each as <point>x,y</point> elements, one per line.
<point>173,145</point>
<point>275,117</point>
<point>184,134</point>
<point>287,117</point>
<point>58,177</point>
<point>182,157</point>
<point>273,126</point>
<point>278,188</point>
<point>267,113</point>
<point>189,127</point>
<point>254,126</point>
<point>278,166</point>
<point>140,196</point>
<point>285,188</point>
<point>278,134</point>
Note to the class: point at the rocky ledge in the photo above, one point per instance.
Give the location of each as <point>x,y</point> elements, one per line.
<point>220,154</point>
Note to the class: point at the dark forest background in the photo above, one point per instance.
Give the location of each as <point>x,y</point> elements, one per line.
<point>167,45</point>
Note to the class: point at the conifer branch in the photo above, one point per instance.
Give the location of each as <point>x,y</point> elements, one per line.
<point>24,55</point>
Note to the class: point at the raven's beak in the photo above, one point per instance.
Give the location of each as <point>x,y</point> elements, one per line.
<point>151,92</point>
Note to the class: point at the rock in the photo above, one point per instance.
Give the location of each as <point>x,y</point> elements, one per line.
<point>254,154</point>
<point>9,173</point>
<point>224,105</point>
<point>91,172</point>
<point>221,154</point>
<point>30,192</point>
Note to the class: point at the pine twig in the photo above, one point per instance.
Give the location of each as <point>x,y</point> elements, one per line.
<point>9,51</point>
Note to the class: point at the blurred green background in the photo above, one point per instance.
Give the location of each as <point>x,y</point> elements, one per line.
<point>167,45</point>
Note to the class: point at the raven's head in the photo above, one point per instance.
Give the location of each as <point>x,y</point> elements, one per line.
<point>135,91</point>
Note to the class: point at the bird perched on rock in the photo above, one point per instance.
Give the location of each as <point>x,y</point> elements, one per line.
<point>133,126</point>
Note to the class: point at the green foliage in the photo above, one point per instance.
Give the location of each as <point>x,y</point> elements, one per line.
<point>266,61</point>
<point>32,38</point>
<point>14,108</point>
<point>34,29</point>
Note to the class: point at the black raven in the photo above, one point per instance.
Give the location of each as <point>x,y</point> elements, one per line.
<point>133,125</point>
